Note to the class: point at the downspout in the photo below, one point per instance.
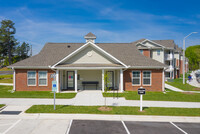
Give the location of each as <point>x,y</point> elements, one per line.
<point>14,73</point>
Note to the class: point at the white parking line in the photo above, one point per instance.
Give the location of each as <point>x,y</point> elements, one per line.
<point>179,128</point>
<point>125,127</point>
<point>70,124</point>
<point>12,126</point>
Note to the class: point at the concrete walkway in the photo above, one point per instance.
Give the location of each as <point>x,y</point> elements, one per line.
<point>7,84</point>
<point>173,88</point>
<point>178,90</point>
<point>90,98</point>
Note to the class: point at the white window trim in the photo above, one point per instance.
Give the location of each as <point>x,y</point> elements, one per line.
<point>132,78</point>
<point>157,52</point>
<point>143,78</point>
<point>46,78</point>
<point>35,78</point>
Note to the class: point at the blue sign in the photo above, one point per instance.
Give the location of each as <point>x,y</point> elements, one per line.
<point>54,86</point>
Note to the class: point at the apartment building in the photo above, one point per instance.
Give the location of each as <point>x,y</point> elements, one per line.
<point>164,51</point>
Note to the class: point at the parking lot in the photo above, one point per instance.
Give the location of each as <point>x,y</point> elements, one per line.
<point>63,126</point>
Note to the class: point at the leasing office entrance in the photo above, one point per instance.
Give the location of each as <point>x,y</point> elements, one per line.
<point>67,79</point>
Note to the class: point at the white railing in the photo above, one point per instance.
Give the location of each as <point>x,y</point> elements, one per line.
<point>168,56</point>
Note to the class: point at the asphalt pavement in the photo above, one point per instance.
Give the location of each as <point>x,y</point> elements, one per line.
<point>64,126</point>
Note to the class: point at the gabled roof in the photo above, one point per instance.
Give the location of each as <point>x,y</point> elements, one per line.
<point>52,53</point>
<point>165,43</point>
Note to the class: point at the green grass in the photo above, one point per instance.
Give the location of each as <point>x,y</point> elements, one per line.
<point>6,78</point>
<point>160,96</point>
<point>1,105</point>
<point>123,110</point>
<point>5,69</point>
<point>5,92</point>
<point>178,83</point>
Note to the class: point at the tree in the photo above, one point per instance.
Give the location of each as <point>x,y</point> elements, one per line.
<point>8,42</point>
<point>193,54</point>
<point>106,81</point>
<point>23,51</point>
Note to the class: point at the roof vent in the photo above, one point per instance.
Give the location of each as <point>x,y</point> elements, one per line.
<point>90,37</point>
<point>68,46</point>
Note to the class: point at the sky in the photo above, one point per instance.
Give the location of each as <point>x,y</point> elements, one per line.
<point>40,21</point>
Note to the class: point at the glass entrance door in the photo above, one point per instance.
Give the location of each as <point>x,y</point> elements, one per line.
<point>70,79</point>
<point>110,84</point>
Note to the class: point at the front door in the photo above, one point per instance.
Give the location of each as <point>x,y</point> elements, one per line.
<point>110,84</point>
<point>70,79</point>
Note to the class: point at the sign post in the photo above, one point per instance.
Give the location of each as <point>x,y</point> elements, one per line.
<point>54,88</point>
<point>141,91</point>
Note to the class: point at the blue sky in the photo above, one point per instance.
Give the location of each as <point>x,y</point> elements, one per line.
<point>41,21</point>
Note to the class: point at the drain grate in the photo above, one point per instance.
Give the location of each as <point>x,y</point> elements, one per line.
<point>11,112</point>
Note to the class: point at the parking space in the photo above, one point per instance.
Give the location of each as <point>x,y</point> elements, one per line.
<point>151,128</point>
<point>33,126</point>
<point>190,128</point>
<point>64,126</point>
<point>132,127</point>
<point>96,127</point>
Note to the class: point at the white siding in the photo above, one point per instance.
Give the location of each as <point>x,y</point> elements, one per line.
<point>160,57</point>
<point>89,55</point>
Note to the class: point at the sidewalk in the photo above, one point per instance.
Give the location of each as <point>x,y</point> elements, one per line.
<point>178,90</point>
<point>6,84</point>
<point>90,98</point>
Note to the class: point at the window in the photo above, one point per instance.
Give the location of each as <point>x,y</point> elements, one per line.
<point>146,77</point>
<point>42,78</point>
<point>158,52</point>
<point>31,76</point>
<point>136,78</point>
<point>141,51</point>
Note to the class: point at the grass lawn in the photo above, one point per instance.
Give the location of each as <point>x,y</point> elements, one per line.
<point>5,69</point>
<point>160,96</point>
<point>5,92</point>
<point>1,105</point>
<point>6,78</point>
<point>115,110</point>
<point>179,84</point>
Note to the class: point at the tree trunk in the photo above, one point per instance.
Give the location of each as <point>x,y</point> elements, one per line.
<point>9,54</point>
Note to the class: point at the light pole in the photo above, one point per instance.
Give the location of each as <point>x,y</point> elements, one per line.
<point>184,55</point>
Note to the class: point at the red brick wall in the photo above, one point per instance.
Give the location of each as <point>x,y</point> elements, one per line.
<point>156,80</point>
<point>146,52</point>
<point>21,80</point>
<point>181,67</point>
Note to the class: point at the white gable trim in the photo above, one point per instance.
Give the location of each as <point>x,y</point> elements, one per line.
<point>84,46</point>
<point>141,44</point>
<point>152,42</point>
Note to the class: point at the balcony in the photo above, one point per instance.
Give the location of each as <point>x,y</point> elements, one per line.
<point>168,56</point>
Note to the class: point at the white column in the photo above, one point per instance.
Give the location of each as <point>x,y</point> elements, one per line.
<point>76,89</point>
<point>61,75</point>
<point>121,81</point>
<point>103,80</point>
<point>163,80</point>
<point>57,79</point>
<point>14,80</point>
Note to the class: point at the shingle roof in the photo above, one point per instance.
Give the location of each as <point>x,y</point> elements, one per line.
<point>89,65</point>
<point>54,52</point>
<point>165,43</point>
<point>89,35</point>
<point>178,49</point>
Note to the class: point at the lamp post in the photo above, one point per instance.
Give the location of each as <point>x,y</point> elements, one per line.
<point>184,55</point>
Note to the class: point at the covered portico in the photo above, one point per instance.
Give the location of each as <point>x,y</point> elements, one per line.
<point>73,78</point>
